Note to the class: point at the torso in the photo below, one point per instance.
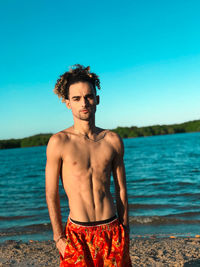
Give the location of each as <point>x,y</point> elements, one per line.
<point>86,171</point>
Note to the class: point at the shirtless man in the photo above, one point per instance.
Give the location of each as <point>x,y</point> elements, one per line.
<point>84,156</point>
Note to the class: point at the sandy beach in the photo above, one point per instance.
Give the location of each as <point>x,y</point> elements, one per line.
<point>144,252</point>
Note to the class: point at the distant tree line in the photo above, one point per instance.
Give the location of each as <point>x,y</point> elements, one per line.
<point>124,132</point>
<point>127,132</point>
<point>35,140</point>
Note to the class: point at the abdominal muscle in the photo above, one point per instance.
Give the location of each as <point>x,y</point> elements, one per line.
<point>89,198</point>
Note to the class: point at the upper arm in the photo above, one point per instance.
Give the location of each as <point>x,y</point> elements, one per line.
<point>118,168</point>
<point>53,165</point>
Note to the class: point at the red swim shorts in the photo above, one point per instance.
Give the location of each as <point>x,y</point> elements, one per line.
<point>102,245</point>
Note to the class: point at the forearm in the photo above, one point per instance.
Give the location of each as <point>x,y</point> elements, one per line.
<point>122,207</point>
<point>53,203</point>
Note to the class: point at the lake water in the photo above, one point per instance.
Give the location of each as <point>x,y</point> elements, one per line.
<point>163,182</point>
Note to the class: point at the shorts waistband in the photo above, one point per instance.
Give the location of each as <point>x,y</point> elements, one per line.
<point>95,223</point>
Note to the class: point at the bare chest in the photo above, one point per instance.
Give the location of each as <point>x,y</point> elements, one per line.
<point>82,156</point>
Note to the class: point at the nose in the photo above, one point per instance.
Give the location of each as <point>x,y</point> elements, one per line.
<point>84,102</point>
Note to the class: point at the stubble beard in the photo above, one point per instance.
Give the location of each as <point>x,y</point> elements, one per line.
<point>87,116</point>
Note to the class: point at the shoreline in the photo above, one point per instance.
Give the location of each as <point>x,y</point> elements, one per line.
<point>143,251</point>
<point>125,132</point>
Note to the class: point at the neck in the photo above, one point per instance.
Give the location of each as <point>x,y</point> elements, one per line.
<point>87,128</point>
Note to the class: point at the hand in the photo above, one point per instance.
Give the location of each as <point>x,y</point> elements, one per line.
<point>127,238</point>
<point>126,229</point>
<point>61,245</point>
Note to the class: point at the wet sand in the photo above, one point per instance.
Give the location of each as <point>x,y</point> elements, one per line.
<point>144,252</point>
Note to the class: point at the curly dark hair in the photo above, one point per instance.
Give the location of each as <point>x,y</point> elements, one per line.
<point>77,73</point>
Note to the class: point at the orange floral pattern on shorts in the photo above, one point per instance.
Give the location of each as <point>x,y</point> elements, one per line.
<point>105,245</point>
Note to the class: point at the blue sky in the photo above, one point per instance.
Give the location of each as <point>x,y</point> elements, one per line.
<point>147,54</point>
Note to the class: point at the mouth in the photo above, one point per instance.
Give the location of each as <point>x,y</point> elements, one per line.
<point>85,110</point>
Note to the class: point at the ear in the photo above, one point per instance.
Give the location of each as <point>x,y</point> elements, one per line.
<point>67,104</point>
<point>97,99</point>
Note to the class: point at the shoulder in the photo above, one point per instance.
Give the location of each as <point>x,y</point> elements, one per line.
<point>60,137</point>
<point>57,140</point>
<point>115,140</point>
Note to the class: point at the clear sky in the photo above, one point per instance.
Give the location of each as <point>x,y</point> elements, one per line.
<point>146,52</point>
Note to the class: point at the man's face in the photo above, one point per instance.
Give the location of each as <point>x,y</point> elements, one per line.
<point>82,100</point>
